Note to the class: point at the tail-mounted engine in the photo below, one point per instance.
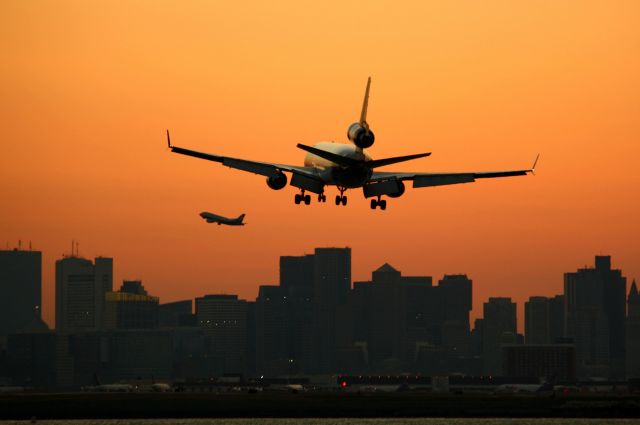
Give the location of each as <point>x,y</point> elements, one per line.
<point>278,181</point>
<point>362,137</point>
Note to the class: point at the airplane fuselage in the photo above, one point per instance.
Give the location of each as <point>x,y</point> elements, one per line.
<point>335,174</point>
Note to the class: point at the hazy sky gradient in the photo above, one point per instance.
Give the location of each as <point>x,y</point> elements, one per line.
<point>88,89</point>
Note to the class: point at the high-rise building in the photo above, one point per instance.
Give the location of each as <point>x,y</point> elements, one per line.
<point>553,362</point>
<point>537,321</point>
<point>176,314</point>
<point>297,273</point>
<point>633,332</point>
<point>331,285</point>
<point>20,290</point>
<point>130,308</point>
<point>224,320</point>
<point>556,320</point>
<point>499,327</point>
<point>80,292</point>
<point>595,313</point>
<point>272,337</point>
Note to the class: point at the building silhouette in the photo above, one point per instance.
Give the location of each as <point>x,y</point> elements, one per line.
<point>537,320</point>
<point>176,314</point>
<point>20,291</point>
<point>223,319</point>
<point>499,327</point>
<point>633,333</point>
<point>130,308</point>
<point>331,286</point>
<point>80,292</point>
<point>595,313</point>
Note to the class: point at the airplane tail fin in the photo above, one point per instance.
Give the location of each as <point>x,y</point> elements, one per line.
<point>241,218</point>
<point>365,104</point>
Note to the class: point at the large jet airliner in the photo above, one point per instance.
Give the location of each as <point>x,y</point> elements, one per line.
<point>347,166</point>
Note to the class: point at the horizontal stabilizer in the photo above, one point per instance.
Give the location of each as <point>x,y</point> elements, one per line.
<point>388,161</point>
<point>329,156</point>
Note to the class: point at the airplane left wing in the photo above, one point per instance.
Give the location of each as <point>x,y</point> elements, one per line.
<point>263,168</point>
<point>441,179</point>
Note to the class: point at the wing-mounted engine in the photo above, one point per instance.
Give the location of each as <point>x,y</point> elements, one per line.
<point>361,135</point>
<point>278,181</point>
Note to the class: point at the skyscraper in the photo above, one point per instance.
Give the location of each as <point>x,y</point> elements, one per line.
<point>498,327</point>
<point>80,292</point>
<point>224,319</point>
<point>595,314</point>
<point>130,308</point>
<point>633,332</point>
<point>331,285</point>
<point>20,290</point>
<point>537,321</point>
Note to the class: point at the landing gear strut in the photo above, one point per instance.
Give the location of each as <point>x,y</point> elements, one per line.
<point>322,197</point>
<point>382,203</point>
<point>341,199</point>
<point>301,197</point>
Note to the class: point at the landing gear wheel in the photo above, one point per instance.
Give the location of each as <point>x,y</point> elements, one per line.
<point>344,201</point>
<point>322,198</point>
<point>383,204</point>
<point>338,199</point>
<point>307,199</point>
<point>374,204</point>
<point>297,198</point>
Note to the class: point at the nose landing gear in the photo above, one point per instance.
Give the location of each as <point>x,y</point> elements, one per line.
<point>382,203</point>
<point>341,199</point>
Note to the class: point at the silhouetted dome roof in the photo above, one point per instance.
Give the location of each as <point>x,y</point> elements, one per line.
<point>386,267</point>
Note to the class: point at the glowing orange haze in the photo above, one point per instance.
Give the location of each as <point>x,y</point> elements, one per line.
<point>88,89</point>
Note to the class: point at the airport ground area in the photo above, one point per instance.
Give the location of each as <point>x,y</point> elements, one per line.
<point>313,404</point>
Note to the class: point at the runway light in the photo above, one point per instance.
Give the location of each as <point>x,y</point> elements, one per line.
<point>343,384</point>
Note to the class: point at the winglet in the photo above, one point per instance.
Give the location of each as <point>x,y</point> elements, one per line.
<point>169,139</point>
<point>533,167</point>
<point>365,103</point>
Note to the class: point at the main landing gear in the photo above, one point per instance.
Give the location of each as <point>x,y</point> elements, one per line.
<point>301,197</point>
<point>342,198</point>
<point>382,203</point>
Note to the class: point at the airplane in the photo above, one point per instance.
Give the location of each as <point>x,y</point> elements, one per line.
<point>214,218</point>
<point>347,166</point>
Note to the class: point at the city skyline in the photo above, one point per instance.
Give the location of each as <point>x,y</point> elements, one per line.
<point>477,304</point>
<point>90,89</point>
<point>316,320</point>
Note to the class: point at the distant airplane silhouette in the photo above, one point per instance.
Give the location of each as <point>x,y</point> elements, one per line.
<point>214,218</point>
<point>347,166</point>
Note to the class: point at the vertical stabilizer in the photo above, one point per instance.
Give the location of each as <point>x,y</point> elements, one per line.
<point>365,103</point>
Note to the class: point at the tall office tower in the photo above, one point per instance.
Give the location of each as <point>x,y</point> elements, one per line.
<point>175,314</point>
<point>20,290</point>
<point>130,308</point>
<point>296,280</point>
<point>80,292</point>
<point>499,327</point>
<point>296,273</point>
<point>537,321</point>
<point>457,296</point>
<point>272,355</point>
<point>633,332</point>
<point>556,320</point>
<point>224,319</point>
<point>595,311</point>
<point>331,285</point>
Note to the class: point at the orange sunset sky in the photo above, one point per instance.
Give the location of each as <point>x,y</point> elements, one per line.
<point>87,90</point>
